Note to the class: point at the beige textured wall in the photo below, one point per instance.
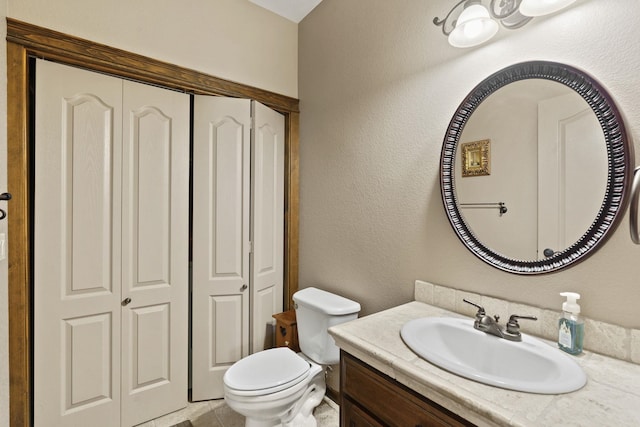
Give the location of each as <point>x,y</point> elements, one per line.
<point>232,39</point>
<point>378,86</point>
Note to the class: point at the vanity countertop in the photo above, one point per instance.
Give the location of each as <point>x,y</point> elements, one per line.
<point>610,397</point>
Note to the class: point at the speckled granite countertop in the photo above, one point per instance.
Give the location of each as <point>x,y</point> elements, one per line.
<point>610,398</point>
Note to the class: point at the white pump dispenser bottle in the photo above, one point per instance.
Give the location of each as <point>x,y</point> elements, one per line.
<point>571,325</point>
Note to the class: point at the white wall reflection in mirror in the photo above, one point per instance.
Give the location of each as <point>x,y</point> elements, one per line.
<point>549,166</point>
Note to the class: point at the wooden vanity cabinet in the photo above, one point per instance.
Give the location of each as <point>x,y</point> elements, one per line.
<point>371,398</point>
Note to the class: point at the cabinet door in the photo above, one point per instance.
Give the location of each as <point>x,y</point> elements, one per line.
<point>221,185</point>
<point>76,247</point>
<point>369,396</point>
<point>155,252</point>
<point>267,180</point>
<point>352,416</point>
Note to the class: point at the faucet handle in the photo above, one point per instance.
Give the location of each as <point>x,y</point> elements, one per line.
<point>513,327</point>
<point>480,312</point>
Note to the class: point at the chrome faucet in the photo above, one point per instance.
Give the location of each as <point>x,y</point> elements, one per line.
<point>490,325</point>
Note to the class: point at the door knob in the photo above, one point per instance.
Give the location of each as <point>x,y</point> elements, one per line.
<point>4,196</point>
<point>548,252</point>
<point>243,288</point>
<point>126,301</point>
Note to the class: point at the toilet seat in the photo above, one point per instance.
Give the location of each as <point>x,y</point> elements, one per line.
<point>266,372</point>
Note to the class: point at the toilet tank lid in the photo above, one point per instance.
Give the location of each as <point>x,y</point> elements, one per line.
<point>325,302</point>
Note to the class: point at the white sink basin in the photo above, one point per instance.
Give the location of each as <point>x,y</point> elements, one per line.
<point>531,365</point>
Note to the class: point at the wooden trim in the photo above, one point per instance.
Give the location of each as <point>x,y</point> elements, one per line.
<point>292,204</point>
<point>26,40</point>
<point>60,47</point>
<point>19,237</point>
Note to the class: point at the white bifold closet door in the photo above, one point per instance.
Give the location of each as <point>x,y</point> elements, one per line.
<point>238,226</point>
<point>110,249</point>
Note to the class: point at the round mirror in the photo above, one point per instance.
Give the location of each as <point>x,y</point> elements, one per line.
<point>535,168</point>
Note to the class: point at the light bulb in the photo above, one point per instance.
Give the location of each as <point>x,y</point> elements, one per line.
<point>542,7</point>
<point>473,27</point>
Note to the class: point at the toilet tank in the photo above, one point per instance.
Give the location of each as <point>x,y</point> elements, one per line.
<point>316,312</point>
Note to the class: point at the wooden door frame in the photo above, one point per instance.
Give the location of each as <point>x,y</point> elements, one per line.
<point>25,41</point>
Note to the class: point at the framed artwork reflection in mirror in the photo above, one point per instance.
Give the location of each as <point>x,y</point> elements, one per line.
<point>476,158</point>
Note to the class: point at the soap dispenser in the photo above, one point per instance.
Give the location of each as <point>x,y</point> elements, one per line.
<point>570,325</point>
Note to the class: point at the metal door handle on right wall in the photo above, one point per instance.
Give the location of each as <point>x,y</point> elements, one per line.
<point>633,214</point>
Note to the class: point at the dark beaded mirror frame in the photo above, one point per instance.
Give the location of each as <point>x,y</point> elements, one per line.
<point>619,153</point>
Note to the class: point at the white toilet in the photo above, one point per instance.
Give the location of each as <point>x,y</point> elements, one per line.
<point>278,387</point>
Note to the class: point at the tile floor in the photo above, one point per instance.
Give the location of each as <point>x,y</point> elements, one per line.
<point>215,413</point>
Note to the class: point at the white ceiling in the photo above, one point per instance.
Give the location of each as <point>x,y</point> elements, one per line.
<point>293,10</point>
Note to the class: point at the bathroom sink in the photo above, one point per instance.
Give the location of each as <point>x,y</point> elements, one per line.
<point>530,365</point>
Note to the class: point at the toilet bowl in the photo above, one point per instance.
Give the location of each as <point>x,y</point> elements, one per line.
<point>278,387</point>
<point>266,400</point>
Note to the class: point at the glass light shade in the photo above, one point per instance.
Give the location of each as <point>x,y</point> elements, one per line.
<point>542,7</point>
<point>473,27</point>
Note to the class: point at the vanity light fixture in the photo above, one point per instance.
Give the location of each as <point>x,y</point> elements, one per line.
<point>473,27</point>
<point>469,23</point>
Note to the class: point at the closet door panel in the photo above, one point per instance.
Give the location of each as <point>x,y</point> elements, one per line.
<point>86,350</point>
<point>150,196</point>
<point>268,222</point>
<point>90,231</point>
<point>155,221</point>
<point>221,183</point>
<point>150,334</point>
<point>76,233</point>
